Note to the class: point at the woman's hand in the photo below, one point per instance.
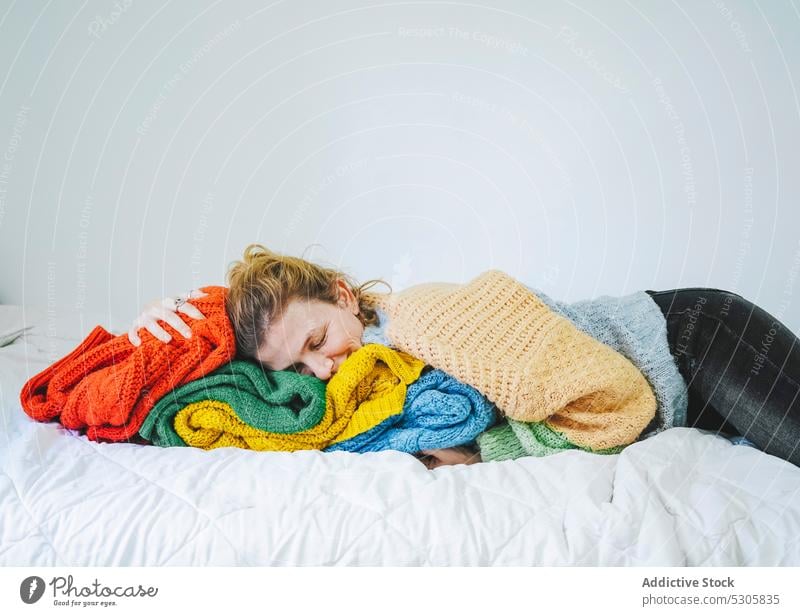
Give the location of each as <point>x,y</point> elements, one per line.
<point>433,458</point>
<point>166,310</point>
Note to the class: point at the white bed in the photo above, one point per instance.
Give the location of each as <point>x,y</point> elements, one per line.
<point>683,497</point>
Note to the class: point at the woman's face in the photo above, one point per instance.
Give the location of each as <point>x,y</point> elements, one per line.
<point>313,337</point>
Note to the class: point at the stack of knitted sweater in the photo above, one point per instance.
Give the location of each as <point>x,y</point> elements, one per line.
<point>595,375</point>
<point>379,399</point>
<point>445,362</point>
<point>107,386</point>
<point>195,393</point>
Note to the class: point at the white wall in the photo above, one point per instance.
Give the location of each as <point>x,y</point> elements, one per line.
<point>587,148</point>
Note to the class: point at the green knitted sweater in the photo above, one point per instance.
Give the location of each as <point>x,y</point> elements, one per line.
<point>284,401</point>
<point>515,439</point>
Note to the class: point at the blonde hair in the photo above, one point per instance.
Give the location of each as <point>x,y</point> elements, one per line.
<point>263,283</point>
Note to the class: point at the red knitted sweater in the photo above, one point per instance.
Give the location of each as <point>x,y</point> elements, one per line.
<point>107,385</point>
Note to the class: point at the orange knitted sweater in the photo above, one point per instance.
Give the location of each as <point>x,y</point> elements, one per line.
<point>107,386</point>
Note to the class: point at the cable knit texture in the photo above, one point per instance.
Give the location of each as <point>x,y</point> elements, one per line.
<point>369,387</point>
<point>275,404</point>
<point>210,424</point>
<point>107,385</point>
<point>255,412</point>
<point>439,412</point>
<point>534,364</point>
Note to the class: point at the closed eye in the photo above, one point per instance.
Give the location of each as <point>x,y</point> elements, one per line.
<point>317,345</point>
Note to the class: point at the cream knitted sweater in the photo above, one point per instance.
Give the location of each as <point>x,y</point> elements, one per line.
<point>496,335</point>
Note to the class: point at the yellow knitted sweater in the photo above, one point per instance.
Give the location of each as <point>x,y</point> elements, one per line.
<point>535,365</point>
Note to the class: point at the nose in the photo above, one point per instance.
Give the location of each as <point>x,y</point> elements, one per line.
<point>322,367</point>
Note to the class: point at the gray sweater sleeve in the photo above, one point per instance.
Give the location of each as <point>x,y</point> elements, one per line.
<point>634,326</point>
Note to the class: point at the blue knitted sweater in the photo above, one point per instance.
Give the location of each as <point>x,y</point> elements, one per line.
<point>632,325</point>
<point>439,412</point>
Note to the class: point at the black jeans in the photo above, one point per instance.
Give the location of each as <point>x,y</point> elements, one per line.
<point>741,364</point>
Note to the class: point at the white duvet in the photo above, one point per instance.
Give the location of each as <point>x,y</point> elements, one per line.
<point>683,497</point>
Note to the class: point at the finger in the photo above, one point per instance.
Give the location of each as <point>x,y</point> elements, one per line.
<point>426,460</point>
<point>134,338</point>
<point>155,329</point>
<point>430,459</point>
<point>167,302</point>
<point>177,323</point>
<point>192,311</point>
<point>196,294</point>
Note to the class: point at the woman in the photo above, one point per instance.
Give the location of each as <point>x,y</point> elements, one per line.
<point>741,365</point>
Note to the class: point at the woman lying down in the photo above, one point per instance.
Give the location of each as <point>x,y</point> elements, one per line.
<point>488,370</point>
<point>295,356</point>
